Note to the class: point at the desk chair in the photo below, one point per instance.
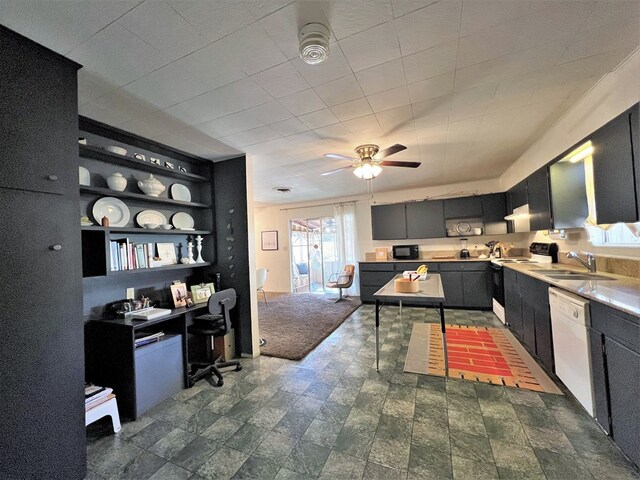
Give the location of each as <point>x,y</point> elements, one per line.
<point>342,280</point>
<point>261,279</point>
<point>213,324</point>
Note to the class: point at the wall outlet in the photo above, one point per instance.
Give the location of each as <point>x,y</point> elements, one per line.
<point>130,293</point>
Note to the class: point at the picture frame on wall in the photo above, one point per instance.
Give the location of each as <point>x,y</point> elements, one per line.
<point>269,240</point>
<point>201,293</point>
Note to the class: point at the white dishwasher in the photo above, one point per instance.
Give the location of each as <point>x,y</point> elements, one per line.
<point>570,329</point>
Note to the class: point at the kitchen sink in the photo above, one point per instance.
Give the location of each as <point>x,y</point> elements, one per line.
<point>554,271</point>
<point>577,276</point>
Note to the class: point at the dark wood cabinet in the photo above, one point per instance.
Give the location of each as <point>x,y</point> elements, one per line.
<point>536,318</point>
<point>465,207</point>
<point>539,200</point>
<point>425,219</point>
<point>42,432</point>
<point>623,365</point>
<point>615,361</point>
<point>518,194</point>
<point>613,171</point>
<point>453,289</point>
<point>494,209</point>
<point>389,222</point>
<point>465,284</point>
<point>512,302</point>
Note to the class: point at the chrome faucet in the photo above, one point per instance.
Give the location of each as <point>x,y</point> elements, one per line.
<point>590,263</point>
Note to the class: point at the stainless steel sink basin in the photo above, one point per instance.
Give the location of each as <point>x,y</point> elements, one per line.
<point>557,271</point>
<point>578,276</point>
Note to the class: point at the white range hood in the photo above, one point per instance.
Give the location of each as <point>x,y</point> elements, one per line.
<point>520,218</point>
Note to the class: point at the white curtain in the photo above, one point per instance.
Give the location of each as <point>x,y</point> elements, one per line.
<point>346,239</point>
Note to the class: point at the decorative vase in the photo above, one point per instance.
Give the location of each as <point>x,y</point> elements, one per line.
<point>151,186</point>
<point>117,182</point>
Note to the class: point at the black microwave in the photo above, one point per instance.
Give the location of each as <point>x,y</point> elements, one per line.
<point>406,252</point>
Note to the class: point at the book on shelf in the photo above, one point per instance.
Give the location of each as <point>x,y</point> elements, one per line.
<point>144,338</point>
<point>126,255</point>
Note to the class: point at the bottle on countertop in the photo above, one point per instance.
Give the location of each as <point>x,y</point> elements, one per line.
<point>497,251</point>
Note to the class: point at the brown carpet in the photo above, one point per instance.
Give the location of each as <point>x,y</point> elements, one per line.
<point>293,324</point>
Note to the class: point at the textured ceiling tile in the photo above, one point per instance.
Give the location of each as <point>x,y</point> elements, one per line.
<point>281,80</point>
<point>339,91</point>
<point>430,26</point>
<point>352,109</point>
<point>382,77</point>
<point>348,18</point>
<point>372,47</point>
<point>302,102</point>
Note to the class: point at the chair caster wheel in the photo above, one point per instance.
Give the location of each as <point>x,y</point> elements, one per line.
<point>220,382</point>
<point>238,368</point>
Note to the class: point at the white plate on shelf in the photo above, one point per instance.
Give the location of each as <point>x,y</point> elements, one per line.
<point>84,177</point>
<point>180,192</point>
<point>112,208</point>
<point>150,216</point>
<point>183,221</point>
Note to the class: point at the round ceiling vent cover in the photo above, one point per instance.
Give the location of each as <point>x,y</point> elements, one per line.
<point>314,43</point>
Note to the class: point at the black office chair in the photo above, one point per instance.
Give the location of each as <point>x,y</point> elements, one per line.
<point>213,324</point>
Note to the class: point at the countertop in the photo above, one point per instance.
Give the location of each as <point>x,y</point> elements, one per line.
<point>430,290</point>
<point>622,293</point>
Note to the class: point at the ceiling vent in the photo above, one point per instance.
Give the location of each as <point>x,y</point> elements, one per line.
<point>314,43</point>
<point>282,189</point>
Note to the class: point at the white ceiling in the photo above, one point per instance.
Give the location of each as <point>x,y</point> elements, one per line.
<point>466,85</point>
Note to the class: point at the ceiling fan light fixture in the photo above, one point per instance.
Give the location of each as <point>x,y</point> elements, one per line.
<point>367,170</point>
<point>314,43</point>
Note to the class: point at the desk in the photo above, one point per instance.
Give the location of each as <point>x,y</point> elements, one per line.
<point>111,353</point>
<point>430,293</point>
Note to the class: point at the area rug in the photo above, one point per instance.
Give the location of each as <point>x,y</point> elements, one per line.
<point>477,354</point>
<point>293,324</point>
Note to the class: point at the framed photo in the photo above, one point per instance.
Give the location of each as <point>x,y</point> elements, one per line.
<point>167,253</point>
<point>201,293</point>
<point>179,294</point>
<point>270,240</point>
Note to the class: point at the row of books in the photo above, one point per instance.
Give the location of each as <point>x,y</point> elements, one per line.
<point>143,338</point>
<point>131,256</point>
<point>95,395</point>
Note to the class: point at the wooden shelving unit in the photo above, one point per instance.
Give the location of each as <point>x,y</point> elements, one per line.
<point>140,197</point>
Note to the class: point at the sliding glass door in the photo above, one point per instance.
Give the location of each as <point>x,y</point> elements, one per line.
<point>313,253</point>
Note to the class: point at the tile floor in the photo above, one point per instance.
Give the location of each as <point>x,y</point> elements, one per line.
<point>332,416</point>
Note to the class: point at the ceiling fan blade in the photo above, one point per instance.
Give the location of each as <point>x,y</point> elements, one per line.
<point>331,172</point>
<point>391,163</point>
<point>339,157</point>
<point>390,151</point>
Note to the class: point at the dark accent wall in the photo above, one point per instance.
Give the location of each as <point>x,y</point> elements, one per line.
<point>232,241</point>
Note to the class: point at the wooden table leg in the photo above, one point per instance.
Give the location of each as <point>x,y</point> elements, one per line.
<point>444,341</point>
<point>377,335</point>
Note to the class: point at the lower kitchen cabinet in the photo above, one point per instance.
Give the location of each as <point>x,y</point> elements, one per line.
<point>527,314</point>
<point>615,356</point>
<point>465,284</point>
<point>512,302</point>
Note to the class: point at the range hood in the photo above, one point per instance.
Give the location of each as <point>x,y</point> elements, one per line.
<point>520,218</point>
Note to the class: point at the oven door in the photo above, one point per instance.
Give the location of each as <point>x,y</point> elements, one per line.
<point>497,284</point>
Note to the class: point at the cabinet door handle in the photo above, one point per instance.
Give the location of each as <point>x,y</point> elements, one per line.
<point>53,178</point>
<point>56,248</point>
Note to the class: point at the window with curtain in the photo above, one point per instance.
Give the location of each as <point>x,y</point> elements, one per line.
<point>346,239</point>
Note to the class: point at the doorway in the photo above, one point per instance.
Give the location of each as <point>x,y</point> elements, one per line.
<point>314,253</point>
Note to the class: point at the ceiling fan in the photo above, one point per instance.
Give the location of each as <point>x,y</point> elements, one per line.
<point>369,162</point>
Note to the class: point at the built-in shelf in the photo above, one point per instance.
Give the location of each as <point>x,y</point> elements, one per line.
<point>98,153</point>
<point>145,231</point>
<point>159,269</point>
<point>138,196</point>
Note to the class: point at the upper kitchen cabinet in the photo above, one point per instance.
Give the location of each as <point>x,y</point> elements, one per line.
<point>425,219</point>
<point>389,222</point>
<point>613,168</point>
<point>568,190</point>
<point>494,209</point>
<point>465,207</point>
<point>539,200</point>
<point>518,194</point>
<point>38,117</point>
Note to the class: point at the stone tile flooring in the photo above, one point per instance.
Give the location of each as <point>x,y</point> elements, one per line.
<point>332,416</point>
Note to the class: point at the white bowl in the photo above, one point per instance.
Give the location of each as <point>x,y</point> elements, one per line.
<point>166,226</point>
<point>151,226</point>
<point>118,150</point>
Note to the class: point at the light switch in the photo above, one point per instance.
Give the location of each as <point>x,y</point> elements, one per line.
<point>130,293</point>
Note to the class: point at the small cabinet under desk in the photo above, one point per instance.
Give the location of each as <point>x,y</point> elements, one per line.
<point>141,377</point>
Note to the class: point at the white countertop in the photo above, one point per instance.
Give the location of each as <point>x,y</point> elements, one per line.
<point>622,293</point>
